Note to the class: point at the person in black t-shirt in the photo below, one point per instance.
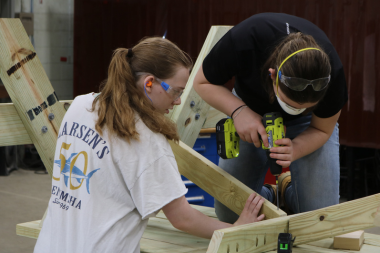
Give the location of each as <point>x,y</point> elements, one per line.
<point>281,63</point>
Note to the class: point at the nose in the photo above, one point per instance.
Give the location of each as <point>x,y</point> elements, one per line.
<point>177,101</point>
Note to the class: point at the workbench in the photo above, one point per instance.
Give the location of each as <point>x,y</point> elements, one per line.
<point>160,236</point>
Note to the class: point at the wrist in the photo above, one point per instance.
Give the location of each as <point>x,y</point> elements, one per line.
<point>297,153</point>
<point>237,111</point>
<point>232,114</point>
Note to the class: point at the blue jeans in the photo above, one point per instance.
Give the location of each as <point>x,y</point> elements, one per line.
<point>315,177</point>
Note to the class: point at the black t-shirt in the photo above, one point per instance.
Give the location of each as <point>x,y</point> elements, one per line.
<point>244,49</point>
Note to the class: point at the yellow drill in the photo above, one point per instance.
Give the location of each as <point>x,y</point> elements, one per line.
<point>228,140</point>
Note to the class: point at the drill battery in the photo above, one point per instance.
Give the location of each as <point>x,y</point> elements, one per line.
<point>227,139</point>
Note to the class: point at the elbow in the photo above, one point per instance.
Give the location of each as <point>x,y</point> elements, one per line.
<point>324,133</point>
<point>181,223</point>
<point>196,85</point>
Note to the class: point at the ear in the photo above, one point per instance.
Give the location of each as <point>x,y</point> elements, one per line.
<point>273,74</point>
<point>148,83</point>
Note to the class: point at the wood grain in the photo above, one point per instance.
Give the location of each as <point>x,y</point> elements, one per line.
<point>350,241</point>
<point>213,117</point>
<point>173,240</point>
<point>306,227</point>
<point>185,115</point>
<point>255,237</point>
<point>29,87</point>
<point>372,239</point>
<point>335,220</point>
<point>216,182</point>
<point>12,129</point>
<point>13,132</point>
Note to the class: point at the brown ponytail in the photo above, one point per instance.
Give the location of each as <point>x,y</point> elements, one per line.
<point>309,64</point>
<point>121,97</point>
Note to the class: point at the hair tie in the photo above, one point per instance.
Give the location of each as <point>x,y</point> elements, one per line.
<point>130,53</point>
<point>232,114</point>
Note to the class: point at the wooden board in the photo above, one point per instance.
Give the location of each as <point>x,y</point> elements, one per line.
<point>335,220</point>
<point>29,88</point>
<point>306,227</point>
<point>12,130</point>
<point>161,237</point>
<point>185,114</point>
<point>372,240</point>
<point>216,182</point>
<point>350,241</point>
<point>213,116</point>
<point>256,237</point>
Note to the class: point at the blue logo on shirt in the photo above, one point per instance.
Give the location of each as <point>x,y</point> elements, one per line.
<point>70,171</point>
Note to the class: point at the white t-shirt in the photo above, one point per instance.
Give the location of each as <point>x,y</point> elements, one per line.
<point>103,190</point>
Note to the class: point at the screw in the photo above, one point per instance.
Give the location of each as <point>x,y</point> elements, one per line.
<point>44,129</point>
<point>66,106</point>
<point>197,116</point>
<point>51,116</point>
<point>192,104</point>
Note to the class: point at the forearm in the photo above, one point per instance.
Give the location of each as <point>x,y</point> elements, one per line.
<point>308,141</point>
<point>183,217</point>
<point>315,136</point>
<point>201,225</point>
<point>217,96</point>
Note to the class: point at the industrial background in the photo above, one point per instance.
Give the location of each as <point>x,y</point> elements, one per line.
<point>74,41</point>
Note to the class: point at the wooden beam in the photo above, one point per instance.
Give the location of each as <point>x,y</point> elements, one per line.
<point>191,114</point>
<point>213,116</point>
<point>216,182</point>
<point>256,237</point>
<point>12,130</point>
<point>29,88</point>
<point>29,229</point>
<point>372,239</point>
<point>335,220</point>
<point>208,130</point>
<point>306,227</point>
<point>160,236</point>
<point>350,241</point>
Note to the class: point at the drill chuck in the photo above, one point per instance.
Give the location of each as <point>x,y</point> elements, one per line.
<point>275,168</point>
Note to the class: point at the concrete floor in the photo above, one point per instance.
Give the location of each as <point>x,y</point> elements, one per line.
<point>24,196</point>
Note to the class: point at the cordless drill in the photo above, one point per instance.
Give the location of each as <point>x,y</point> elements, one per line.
<point>274,128</point>
<point>227,140</point>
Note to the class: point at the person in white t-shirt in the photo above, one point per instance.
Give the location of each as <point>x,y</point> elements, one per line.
<point>113,165</point>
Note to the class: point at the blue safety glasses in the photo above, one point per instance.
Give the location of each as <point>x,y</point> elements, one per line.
<point>174,93</point>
